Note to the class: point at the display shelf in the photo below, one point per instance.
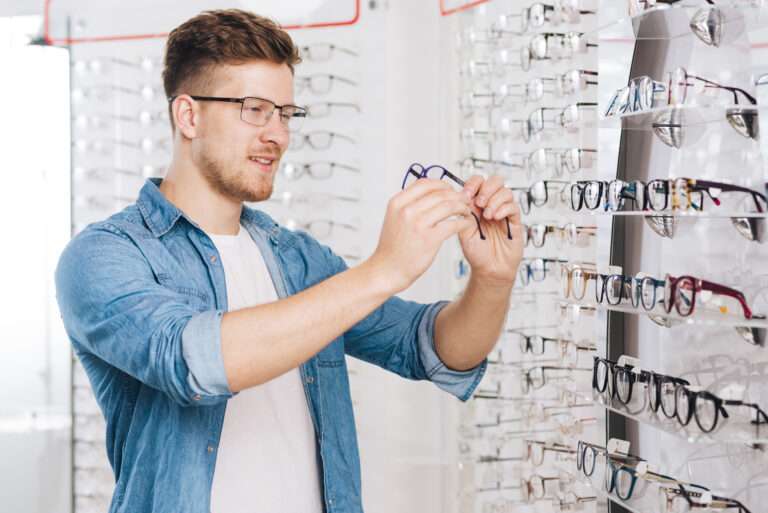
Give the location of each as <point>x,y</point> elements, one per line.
<point>702,319</point>
<point>682,214</point>
<point>682,116</point>
<point>673,22</point>
<point>728,433</point>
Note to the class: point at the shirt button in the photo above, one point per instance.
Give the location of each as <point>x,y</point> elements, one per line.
<point>196,397</point>
<point>210,448</point>
<point>310,379</point>
<point>213,259</point>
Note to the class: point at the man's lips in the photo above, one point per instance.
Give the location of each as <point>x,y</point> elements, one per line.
<point>263,161</point>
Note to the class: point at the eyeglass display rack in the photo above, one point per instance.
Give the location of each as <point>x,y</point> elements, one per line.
<point>715,348</point>
<point>560,409</point>
<point>121,137</point>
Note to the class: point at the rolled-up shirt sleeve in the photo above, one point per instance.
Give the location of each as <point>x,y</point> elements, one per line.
<point>399,336</point>
<point>201,348</point>
<point>458,383</point>
<point>114,308</point>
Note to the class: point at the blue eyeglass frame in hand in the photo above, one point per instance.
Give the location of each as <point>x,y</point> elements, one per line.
<point>420,171</point>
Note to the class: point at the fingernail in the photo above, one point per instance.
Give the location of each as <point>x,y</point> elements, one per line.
<point>481,201</point>
<point>487,214</point>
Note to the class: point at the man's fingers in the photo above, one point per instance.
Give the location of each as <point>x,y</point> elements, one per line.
<point>451,227</point>
<point>502,197</point>
<point>512,212</point>
<point>418,189</point>
<point>443,211</point>
<point>472,185</point>
<point>422,206</point>
<point>488,189</point>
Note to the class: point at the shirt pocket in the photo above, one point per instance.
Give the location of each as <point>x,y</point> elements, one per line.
<point>197,299</point>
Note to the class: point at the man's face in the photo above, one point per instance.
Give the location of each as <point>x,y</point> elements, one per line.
<point>238,159</point>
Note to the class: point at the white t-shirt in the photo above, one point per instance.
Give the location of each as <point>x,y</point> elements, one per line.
<point>267,459</point>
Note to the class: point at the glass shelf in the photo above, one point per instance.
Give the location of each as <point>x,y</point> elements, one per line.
<point>696,215</point>
<point>704,319</point>
<point>729,433</point>
<point>666,23</point>
<point>683,115</point>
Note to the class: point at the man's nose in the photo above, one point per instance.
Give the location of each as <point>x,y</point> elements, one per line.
<point>275,131</point>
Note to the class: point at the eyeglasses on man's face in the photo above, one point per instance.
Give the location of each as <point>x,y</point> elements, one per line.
<point>258,111</point>
<point>416,172</point>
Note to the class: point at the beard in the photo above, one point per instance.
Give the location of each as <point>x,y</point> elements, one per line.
<point>237,184</point>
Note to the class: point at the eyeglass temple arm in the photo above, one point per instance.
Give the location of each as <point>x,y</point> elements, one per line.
<point>761,417</point>
<point>734,90</point>
<point>727,291</point>
<point>733,188</point>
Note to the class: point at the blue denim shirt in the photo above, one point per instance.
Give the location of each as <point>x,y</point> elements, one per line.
<point>142,295</point>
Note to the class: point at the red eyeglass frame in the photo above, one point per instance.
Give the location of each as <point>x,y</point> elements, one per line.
<point>670,297</point>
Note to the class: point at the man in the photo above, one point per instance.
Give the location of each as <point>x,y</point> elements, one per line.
<point>215,340</point>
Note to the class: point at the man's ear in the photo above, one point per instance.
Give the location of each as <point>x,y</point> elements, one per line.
<point>186,115</point>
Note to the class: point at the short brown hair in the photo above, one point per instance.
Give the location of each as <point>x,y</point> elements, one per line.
<point>228,36</point>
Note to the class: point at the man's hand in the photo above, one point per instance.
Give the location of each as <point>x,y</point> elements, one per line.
<point>418,220</point>
<point>494,261</point>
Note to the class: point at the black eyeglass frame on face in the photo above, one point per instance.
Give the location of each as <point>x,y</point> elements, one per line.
<point>299,112</point>
<point>418,171</point>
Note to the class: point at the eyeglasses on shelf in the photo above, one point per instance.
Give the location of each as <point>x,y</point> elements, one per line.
<point>567,118</point>
<point>538,14</point>
<point>554,46</point>
<point>536,234</point>
<point>536,378</point>
<point>319,110</point>
<point>538,193</point>
<point>675,500</point>
<point>536,269</point>
<point>536,450</point>
<point>107,92</point>
<point>559,161</point>
<point>620,476</point>
<point>318,170</point>
<point>674,397</point>
<point>708,23</point>
<point>318,140</point>
<point>320,83</point>
<point>660,195</point>
<point>323,52</point>
<point>311,199</point>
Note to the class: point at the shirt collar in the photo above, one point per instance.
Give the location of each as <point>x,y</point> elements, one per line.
<point>161,215</point>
